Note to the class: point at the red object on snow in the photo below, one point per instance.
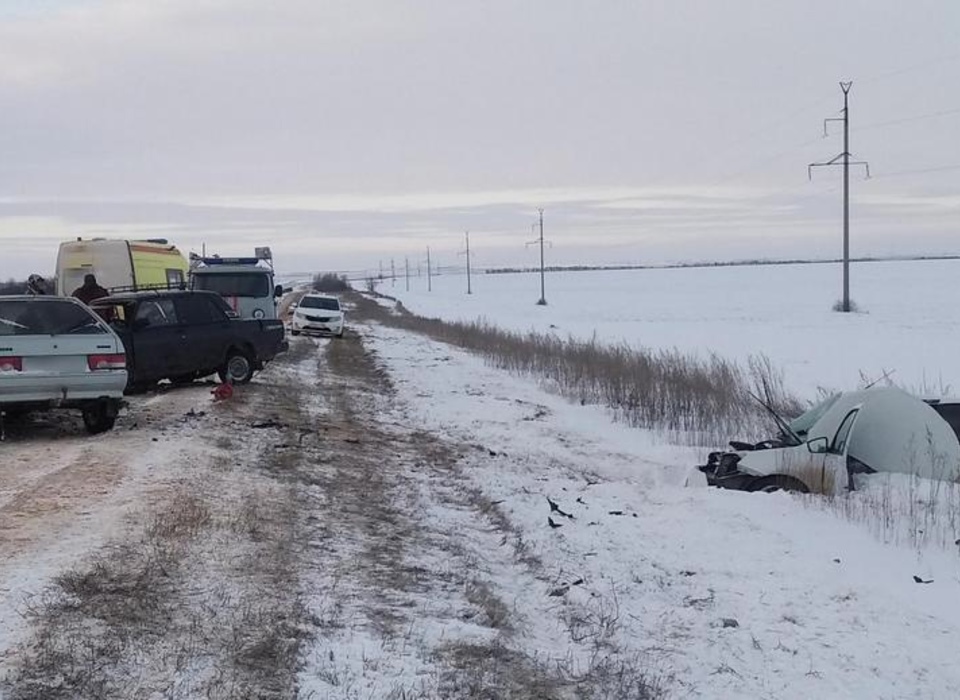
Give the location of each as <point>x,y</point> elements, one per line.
<point>222,392</point>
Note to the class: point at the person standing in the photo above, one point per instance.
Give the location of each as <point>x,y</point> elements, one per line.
<point>90,290</point>
<point>36,285</point>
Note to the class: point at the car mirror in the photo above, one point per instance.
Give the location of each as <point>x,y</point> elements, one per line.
<point>818,445</point>
<point>140,323</point>
<point>278,290</point>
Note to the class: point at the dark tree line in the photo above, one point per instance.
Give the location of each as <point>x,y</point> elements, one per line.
<point>330,282</point>
<point>12,286</point>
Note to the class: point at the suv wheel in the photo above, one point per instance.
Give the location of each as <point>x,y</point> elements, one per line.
<point>238,369</point>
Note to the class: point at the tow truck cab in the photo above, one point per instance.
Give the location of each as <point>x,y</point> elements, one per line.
<point>246,284</point>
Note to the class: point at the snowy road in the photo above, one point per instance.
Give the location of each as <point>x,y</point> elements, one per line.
<point>372,518</point>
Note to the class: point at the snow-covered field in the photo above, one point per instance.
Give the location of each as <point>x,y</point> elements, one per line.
<point>908,325</point>
<point>731,595</point>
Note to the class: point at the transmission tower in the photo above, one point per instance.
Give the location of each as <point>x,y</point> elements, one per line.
<point>844,160</point>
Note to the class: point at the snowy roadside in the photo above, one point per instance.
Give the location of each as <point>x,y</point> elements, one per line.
<point>66,494</point>
<point>385,516</point>
<point>729,594</point>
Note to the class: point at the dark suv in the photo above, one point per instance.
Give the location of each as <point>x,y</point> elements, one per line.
<point>184,335</point>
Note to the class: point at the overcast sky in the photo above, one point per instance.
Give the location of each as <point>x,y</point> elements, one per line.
<point>348,133</point>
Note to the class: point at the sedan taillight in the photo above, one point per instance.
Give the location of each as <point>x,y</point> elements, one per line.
<point>95,362</point>
<point>11,364</point>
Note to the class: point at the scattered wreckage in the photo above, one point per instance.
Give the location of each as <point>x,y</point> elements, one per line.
<point>882,429</point>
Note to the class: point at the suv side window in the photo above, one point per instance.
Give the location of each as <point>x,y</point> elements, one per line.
<point>198,310</point>
<point>157,312</point>
<point>843,433</point>
<point>950,412</point>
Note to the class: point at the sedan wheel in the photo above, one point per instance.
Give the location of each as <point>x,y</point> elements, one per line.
<point>238,369</point>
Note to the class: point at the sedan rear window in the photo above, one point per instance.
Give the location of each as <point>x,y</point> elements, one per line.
<point>46,317</point>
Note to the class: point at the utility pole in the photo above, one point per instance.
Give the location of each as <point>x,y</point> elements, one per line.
<point>406,262</point>
<point>429,276</point>
<point>380,275</point>
<point>393,274</point>
<point>543,297</point>
<point>467,236</point>
<point>843,159</point>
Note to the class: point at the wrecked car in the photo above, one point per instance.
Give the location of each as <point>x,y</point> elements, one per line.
<point>882,429</point>
<point>185,335</point>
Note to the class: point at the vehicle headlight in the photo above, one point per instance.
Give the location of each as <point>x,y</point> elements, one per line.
<point>258,313</point>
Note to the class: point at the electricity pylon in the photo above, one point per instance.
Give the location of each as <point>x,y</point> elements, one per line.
<point>843,159</point>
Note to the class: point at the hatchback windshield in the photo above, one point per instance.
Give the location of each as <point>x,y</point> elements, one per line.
<point>46,317</point>
<point>325,303</point>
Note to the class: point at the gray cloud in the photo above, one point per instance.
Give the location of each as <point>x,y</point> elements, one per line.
<point>340,132</point>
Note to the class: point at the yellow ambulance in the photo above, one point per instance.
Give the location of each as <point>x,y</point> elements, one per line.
<point>120,264</point>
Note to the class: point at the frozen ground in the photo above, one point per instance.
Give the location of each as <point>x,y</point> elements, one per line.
<point>372,518</point>
<point>909,325</point>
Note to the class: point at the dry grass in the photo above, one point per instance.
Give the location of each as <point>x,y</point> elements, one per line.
<point>200,600</point>
<point>902,509</point>
<point>494,671</point>
<point>494,612</point>
<point>701,401</point>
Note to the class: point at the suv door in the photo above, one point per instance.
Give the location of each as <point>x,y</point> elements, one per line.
<point>837,459</point>
<point>205,331</point>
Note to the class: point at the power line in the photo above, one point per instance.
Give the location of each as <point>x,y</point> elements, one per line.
<point>908,120</point>
<point>919,171</point>
<point>909,69</point>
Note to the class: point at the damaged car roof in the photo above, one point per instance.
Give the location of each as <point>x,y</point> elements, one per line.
<point>894,432</point>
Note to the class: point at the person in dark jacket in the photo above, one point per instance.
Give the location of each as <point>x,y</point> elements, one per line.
<point>36,285</point>
<point>90,290</point>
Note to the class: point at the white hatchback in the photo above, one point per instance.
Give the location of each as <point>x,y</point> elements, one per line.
<point>57,353</point>
<point>318,313</point>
